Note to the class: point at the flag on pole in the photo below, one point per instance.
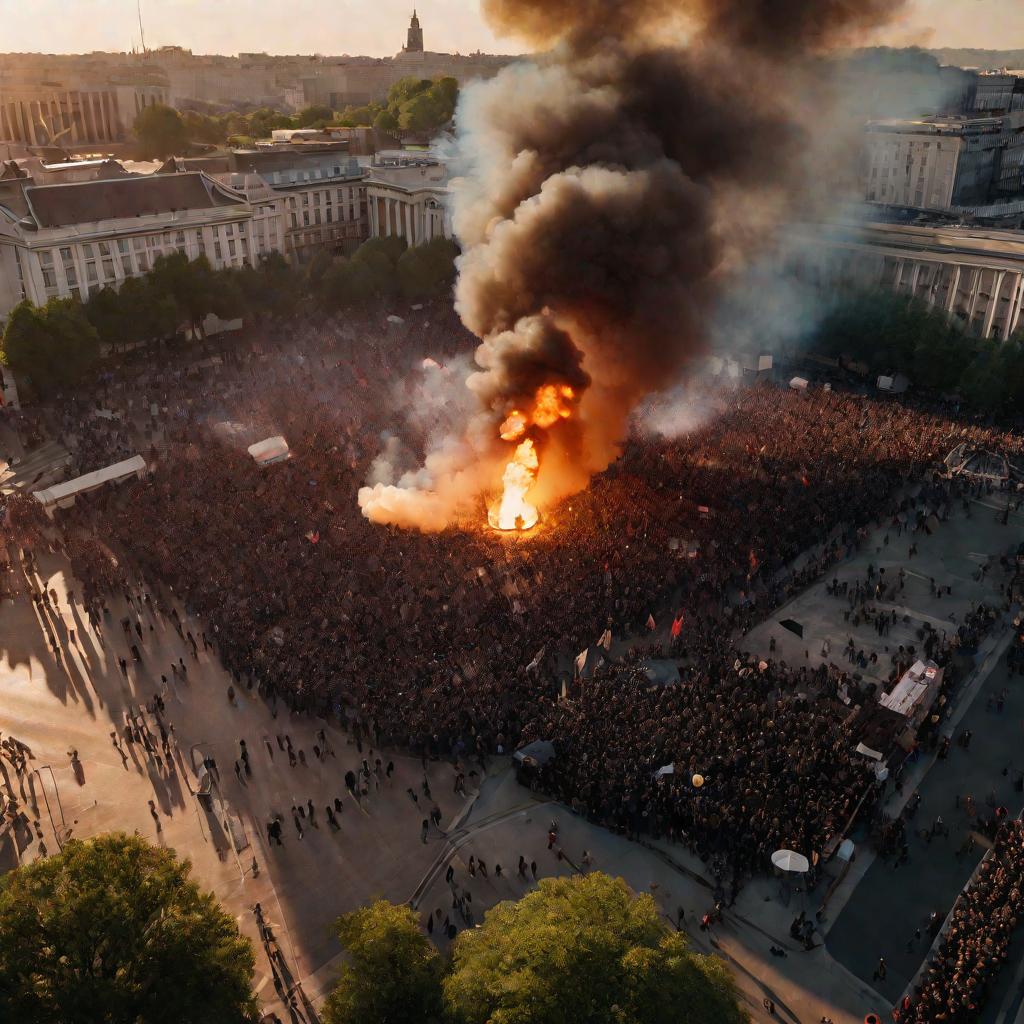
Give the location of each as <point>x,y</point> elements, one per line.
<point>677,626</point>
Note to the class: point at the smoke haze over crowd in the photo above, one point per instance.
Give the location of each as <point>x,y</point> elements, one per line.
<point>608,191</point>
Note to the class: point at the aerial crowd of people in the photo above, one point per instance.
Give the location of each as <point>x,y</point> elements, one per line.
<point>976,943</point>
<point>461,644</point>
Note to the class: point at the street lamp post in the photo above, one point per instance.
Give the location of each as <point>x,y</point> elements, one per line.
<point>46,799</point>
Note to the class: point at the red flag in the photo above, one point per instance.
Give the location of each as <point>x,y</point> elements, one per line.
<point>313,536</point>
<point>677,625</point>
<point>805,481</point>
<point>650,622</point>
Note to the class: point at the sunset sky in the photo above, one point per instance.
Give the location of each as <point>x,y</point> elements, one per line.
<point>377,27</point>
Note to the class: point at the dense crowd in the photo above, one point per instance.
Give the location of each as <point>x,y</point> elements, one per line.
<point>976,944</point>
<point>457,643</point>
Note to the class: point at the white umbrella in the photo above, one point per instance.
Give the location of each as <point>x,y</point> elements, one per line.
<point>789,860</point>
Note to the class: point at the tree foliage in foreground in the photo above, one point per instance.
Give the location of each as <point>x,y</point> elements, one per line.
<point>582,950</point>
<point>113,930</point>
<point>393,974</point>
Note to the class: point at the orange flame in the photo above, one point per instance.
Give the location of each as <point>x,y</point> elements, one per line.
<point>515,512</point>
<point>551,404</point>
<point>514,426</point>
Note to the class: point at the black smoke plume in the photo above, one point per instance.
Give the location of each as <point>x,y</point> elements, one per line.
<point>609,188</point>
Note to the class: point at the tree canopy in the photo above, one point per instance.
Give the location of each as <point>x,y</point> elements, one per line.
<point>113,929</point>
<point>893,334</point>
<point>584,950</point>
<point>393,974</point>
<point>161,132</point>
<point>52,345</point>
<point>427,270</point>
<point>413,104</point>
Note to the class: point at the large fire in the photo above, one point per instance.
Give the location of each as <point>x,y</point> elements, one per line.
<point>514,512</point>
<point>551,404</point>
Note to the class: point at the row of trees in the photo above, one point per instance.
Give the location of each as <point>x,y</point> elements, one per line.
<point>581,950</point>
<point>893,334</point>
<point>412,104</point>
<point>113,929</point>
<point>55,345</point>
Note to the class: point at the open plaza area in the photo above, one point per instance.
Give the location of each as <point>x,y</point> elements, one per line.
<point>137,716</point>
<point>522,536</point>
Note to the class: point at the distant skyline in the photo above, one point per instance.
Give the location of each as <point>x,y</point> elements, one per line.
<point>377,27</point>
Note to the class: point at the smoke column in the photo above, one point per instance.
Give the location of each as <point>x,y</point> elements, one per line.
<point>611,188</point>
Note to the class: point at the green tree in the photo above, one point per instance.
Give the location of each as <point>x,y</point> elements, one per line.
<point>348,284</point>
<point>263,121</point>
<point>192,284</point>
<point>148,312</point>
<point>386,121</point>
<point>105,311</point>
<point>427,270</point>
<point>161,132</point>
<point>315,116</point>
<point>393,974</point>
<point>584,950</point>
<point>360,117</point>
<point>405,88</point>
<point>112,929</point>
<point>429,109</point>
<point>206,128</point>
<point>54,345</point>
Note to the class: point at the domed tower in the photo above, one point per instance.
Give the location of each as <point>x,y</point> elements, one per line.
<point>414,40</point>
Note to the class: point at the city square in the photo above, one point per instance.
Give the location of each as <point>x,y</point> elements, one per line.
<point>479,544</point>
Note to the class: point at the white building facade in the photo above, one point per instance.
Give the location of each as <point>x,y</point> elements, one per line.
<point>72,238</point>
<point>407,198</point>
<point>77,239</point>
<point>975,275</point>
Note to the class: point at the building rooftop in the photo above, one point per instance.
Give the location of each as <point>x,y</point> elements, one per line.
<point>87,202</point>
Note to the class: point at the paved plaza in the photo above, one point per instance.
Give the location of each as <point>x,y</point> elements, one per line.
<point>70,699</point>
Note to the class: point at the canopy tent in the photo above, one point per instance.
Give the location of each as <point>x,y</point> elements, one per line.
<point>270,450</point>
<point>789,860</point>
<point>539,752</point>
<point>63,495</point>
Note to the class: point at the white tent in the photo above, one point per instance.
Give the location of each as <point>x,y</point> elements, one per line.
<point>63,495</point>
<point>269,450</point>
<point>789,860</point>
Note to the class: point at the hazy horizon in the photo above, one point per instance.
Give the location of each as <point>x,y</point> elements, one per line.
<point>378,29</point>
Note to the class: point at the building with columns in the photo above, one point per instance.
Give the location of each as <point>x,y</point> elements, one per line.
<point>975,275</point>
<point>406,197</point>
<point>318,191</point>
<point>77,238</point>
<point>72,117</point>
